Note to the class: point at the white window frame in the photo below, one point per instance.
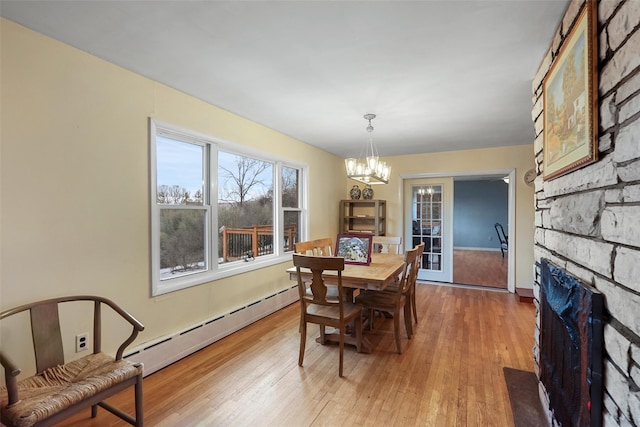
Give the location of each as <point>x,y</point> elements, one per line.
<point>217,271</point>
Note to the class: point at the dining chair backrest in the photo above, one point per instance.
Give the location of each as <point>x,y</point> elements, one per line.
<point>323,247</point>
<point>387,244</point>
<point>420,248</point>
<point>305,248</point>
<point>409,273</point>
<point>318,288</point>
<point>411,288</point>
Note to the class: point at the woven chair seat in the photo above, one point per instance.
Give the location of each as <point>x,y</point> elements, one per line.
<point>62,386</point>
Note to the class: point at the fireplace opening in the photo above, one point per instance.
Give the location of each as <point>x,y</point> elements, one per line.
<point>571,344</point>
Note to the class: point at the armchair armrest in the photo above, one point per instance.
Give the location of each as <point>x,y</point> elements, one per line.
<point>135,323</point>
<point>11,372</point>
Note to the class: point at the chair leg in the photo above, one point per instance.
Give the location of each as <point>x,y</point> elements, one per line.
<point>407,319</point>
<point>413,303</point>
<point>341,350</point>
<point>396,330</point>
<point>301,317</point>
<point>139,402</point>
<point>358,324</point>
<point>303,340</point>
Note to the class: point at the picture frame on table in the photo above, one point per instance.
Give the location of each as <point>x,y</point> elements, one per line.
<point>355,248</point>
<point>570,97</point>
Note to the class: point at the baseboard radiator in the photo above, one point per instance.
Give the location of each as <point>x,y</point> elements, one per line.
<point>165,350</point>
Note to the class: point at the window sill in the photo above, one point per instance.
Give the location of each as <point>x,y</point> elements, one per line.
<point>223,271</point>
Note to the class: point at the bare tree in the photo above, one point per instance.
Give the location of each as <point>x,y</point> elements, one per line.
<point>289,187</point>
<point>176,195</point>
<point>244,177</point>
<point>172,195</point>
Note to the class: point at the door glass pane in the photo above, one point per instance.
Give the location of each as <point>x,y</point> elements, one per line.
<point>427,224</point>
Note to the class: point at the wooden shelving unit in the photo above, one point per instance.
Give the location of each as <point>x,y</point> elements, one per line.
<point>363,216</point>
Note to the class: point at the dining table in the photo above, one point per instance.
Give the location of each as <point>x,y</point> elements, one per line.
<point>383,270</point>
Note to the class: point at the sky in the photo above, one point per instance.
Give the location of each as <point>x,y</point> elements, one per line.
<point>180,163</point>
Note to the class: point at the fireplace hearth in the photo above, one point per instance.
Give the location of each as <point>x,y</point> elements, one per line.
<point>571,343</point>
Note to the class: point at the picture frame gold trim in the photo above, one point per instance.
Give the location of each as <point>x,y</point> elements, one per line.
<point>570,97</point>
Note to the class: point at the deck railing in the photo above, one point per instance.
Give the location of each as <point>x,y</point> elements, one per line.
<point>239,243</point>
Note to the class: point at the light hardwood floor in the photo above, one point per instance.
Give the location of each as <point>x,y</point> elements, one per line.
<point>450,374</point>
<point>482,268</point>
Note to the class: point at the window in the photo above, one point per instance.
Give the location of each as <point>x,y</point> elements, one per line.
<point>218,208</point>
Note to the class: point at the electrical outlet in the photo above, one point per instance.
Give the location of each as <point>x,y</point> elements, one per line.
<point>81,342</point>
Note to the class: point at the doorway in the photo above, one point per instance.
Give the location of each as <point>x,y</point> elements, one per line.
<point>458,263</point>
<point>481,209</point>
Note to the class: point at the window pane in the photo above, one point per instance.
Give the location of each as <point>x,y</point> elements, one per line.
<point>179,172</point>
<point>245,207</point>
<point>182,242</point>
<point>291,229</point>
<point>290,187</point>
<point>427,225</point>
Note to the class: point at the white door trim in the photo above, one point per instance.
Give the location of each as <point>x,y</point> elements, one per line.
<point>511,173</point>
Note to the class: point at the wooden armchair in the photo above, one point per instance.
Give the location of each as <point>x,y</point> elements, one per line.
<point>59,389</point>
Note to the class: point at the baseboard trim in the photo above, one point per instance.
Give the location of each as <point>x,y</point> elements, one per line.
<point>168,349</point>
<point>525,295</point>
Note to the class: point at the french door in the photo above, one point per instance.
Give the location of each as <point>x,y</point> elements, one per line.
<point>428,216</point>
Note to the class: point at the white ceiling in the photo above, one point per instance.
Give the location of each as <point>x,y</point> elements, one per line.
<point>440,75</point>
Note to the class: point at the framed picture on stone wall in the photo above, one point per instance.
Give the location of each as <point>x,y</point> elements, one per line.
<point>570,93</point>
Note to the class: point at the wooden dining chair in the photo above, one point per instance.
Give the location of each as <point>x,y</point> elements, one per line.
<point>393,302</point>
<point>387,244</point>
<point>317,247</point>
<point>412,287</point>
<point>318,308</point>
<point>309,248</point>
<point>323,247</point>
<point>305,248</point>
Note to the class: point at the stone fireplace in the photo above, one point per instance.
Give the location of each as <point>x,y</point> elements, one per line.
<point>587,222</point>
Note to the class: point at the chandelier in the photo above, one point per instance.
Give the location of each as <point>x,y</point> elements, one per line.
<point>368,169</point>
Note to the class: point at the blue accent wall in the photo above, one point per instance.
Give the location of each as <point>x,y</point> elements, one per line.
<point>477,206</point>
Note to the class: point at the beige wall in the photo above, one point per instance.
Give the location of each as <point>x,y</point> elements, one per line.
<point>518,157</point>
<point>75,183</point>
